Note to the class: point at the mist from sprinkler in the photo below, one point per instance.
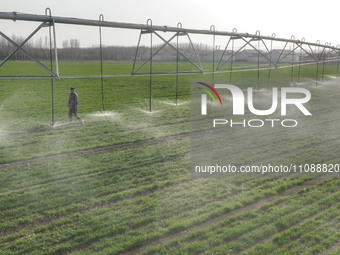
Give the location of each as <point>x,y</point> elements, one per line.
<point>104,114</point>
<point>173,103</point>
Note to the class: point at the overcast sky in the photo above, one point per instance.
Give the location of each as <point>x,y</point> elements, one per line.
<point>314,20</point>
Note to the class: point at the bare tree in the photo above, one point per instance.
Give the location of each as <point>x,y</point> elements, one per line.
<point>65,44</point>
<point>46,42</point>
<point>74,43</point>
<point>39,43</point>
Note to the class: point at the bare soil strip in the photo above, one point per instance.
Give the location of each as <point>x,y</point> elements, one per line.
<point>206,224</point>
<point>270,238</point>
<point>93,150</point>
<point>335,247</point>
<point>49,220</point>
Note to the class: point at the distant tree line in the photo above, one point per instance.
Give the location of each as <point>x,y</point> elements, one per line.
<point>93,53</point>
<point>38,48</point>
<point>71,50</point>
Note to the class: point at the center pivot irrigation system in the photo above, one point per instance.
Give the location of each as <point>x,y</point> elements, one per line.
<point>293,53</point>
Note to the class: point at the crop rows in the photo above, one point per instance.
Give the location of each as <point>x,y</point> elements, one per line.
<point>133,196</point>
<point>127,221</point>
<point>120,184</point>
<point>285,219</point>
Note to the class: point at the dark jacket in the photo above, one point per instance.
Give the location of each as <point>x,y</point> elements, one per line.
<point>73,101</point>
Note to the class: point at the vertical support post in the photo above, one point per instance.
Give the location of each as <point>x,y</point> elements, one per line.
<point>231,61</point>
<point>179,25</point>
<point>149,24</point>
<point>270,59</point>
<point>212,28</point>
<point>337,63</point>
<point>300,58</point>
<point>232,57</point>
<point>258,59</point>
<point>323,64</point>
<point>292,68</point>
<point>317,66</point>
<point>49,13</point>
<point>317,74</point>
<point>55,50</point>
<point>101,18</point>
<point>292,65</point>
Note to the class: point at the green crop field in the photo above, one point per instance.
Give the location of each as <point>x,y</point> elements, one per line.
<point>120,183</point>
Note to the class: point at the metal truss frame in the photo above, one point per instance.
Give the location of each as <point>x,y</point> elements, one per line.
<point>19,47</point>
<point>166,43</point>
<point>249,40</point>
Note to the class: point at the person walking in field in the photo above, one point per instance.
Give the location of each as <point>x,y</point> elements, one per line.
<point>73,106</point>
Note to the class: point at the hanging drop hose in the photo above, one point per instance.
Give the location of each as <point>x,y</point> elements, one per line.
<point>258,33</point>
<point>150,85</point>
<point>179,25</point>
<point>49,13</point>
<point>232,56</point>
<point>212,28</point>
<point>300,57</point>
<point>270,58</point>
<point>101,19</point>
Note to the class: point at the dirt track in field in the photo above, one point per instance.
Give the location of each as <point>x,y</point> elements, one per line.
<point>94,150</point>
<point>288,192</point>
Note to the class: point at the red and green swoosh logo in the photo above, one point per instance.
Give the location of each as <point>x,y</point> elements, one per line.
<point>209,93</point>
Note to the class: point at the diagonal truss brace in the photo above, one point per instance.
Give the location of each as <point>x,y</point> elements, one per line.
<point>258,50</point>
<point>23,43</point>
<point>240,49</point>
<point>20,47</point>
<point>288,54</point>
<point>233,55</point>
<point>166,42</point>
<point>308,53</point>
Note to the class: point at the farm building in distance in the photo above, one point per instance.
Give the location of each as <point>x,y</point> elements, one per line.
<point>246,55</point>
